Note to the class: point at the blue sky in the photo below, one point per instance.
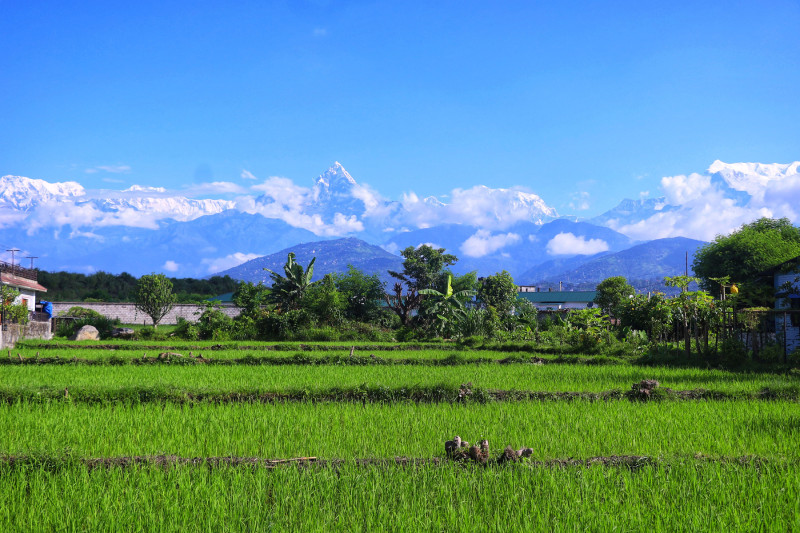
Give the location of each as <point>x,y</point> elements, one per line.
<point>582,103</point>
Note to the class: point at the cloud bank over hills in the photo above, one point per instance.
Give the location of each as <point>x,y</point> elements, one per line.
<point>75,228</point>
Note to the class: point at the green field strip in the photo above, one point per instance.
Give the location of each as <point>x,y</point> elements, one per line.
<point>687,497</point>
<point>769,430</point>
<point>426,358</point>
<point>55,463</point>
<point>29,380</point>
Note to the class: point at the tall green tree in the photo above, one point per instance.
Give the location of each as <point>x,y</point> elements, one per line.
<point>423,268</point>
<point>362,293</point>
<point>498,292</point>
<point>154,296</point>
<point>288,291</point>
<point>744,254</point>
<point>611,292</point>
<point>250,298</point>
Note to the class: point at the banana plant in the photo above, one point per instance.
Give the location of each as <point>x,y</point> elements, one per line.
<point>288,291</point>
<point>444,309</point>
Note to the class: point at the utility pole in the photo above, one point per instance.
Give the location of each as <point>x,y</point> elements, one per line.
<point>13,251</point>
<point>32,257</point>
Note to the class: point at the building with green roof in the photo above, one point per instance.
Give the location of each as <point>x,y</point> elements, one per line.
<point>555,300</point>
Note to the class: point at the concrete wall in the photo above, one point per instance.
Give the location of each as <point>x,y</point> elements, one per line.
<point>11,333</point>
<point>128,314</point>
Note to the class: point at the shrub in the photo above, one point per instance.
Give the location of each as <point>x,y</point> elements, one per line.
<point>213,324</point>
<point>186,330</point>
<point>105,326</point>
<point>733,351</point>
<point>149,333</point>
<point>771,353</point>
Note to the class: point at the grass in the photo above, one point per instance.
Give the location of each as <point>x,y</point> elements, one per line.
<point>346,430</point>
<point>719,465</point>
<point>684,497</point>
<point>104,380</point>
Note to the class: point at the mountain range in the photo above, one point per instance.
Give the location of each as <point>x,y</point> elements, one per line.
<point>150,229</point>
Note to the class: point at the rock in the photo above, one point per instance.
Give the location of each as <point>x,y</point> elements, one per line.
<point>86,333</point>
<point>525,452</point>
<point>509,455</point>
<point>123,333</point>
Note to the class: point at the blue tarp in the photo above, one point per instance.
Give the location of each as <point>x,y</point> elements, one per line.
<point>47,307</point>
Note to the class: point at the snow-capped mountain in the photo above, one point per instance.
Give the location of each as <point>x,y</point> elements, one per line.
<point>17,192</point>
<point>629,211</point>
<point>143,229</point>
<point>752,178</point>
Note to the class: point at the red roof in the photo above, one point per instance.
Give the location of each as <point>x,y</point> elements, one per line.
<point>16,281</point>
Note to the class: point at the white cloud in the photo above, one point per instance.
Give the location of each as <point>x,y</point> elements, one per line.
<point>703,208</point>
<point>229,261</point>
<point>171,266</point>
<point>682,189</point>
<point>284,200</point>
<point>580,201</point>
<point>483,242</point>
<point>570,244</point>
<point>247,175</point>
<point>114,169</point>
<point>214,187</point>
<point>492,209</point>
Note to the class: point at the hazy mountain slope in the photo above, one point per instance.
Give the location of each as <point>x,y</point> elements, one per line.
<point>648,261</point>
<point>332,256</point>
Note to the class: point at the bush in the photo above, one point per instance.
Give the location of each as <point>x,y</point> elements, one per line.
<point>186,330</point>
<point>285,326</point>
<point>213,324</point>
<point>105,326</point>
<point>80,312</point>
<point>733,351</point>
<point>149,333</point>
<point>771,353</point>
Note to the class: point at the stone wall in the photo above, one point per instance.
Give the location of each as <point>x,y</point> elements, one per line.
<point>11,333</point>
<point>128,314</point>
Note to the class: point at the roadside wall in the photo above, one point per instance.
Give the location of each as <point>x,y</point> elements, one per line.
<point>11,333</point>
<point>128,314</point>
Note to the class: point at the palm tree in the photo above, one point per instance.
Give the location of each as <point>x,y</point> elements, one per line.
<point>288,291</point>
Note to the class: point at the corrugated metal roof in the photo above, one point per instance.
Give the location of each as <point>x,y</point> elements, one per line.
<point>556,297</point>
<point>16,281</point>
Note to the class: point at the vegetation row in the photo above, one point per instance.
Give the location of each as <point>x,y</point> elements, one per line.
<point>671,497</point>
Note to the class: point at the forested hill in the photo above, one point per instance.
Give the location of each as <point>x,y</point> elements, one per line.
<point>102,286</point>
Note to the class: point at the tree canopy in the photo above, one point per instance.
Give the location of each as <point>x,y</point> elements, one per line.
<point>154,296</point>
<point>499,292</point>
<point>611,292</point>
<point>424,267</point>
<point>744,254</point>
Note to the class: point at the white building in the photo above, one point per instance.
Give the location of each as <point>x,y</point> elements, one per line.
<point>24,280</point>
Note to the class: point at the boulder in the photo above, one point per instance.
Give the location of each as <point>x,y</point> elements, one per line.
<point>123,333</point>
<point>86,333</point>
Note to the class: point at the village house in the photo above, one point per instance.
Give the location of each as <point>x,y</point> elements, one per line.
<point>24,280</point>
<point>786,280</point>
<point>556,300</point>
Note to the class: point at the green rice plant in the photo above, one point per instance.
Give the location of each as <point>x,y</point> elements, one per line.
<point>682,497</point>
<point>262,379</point>
<point>348,430</point>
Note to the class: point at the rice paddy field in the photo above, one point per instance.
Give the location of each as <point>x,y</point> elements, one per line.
<point>135,437</point>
